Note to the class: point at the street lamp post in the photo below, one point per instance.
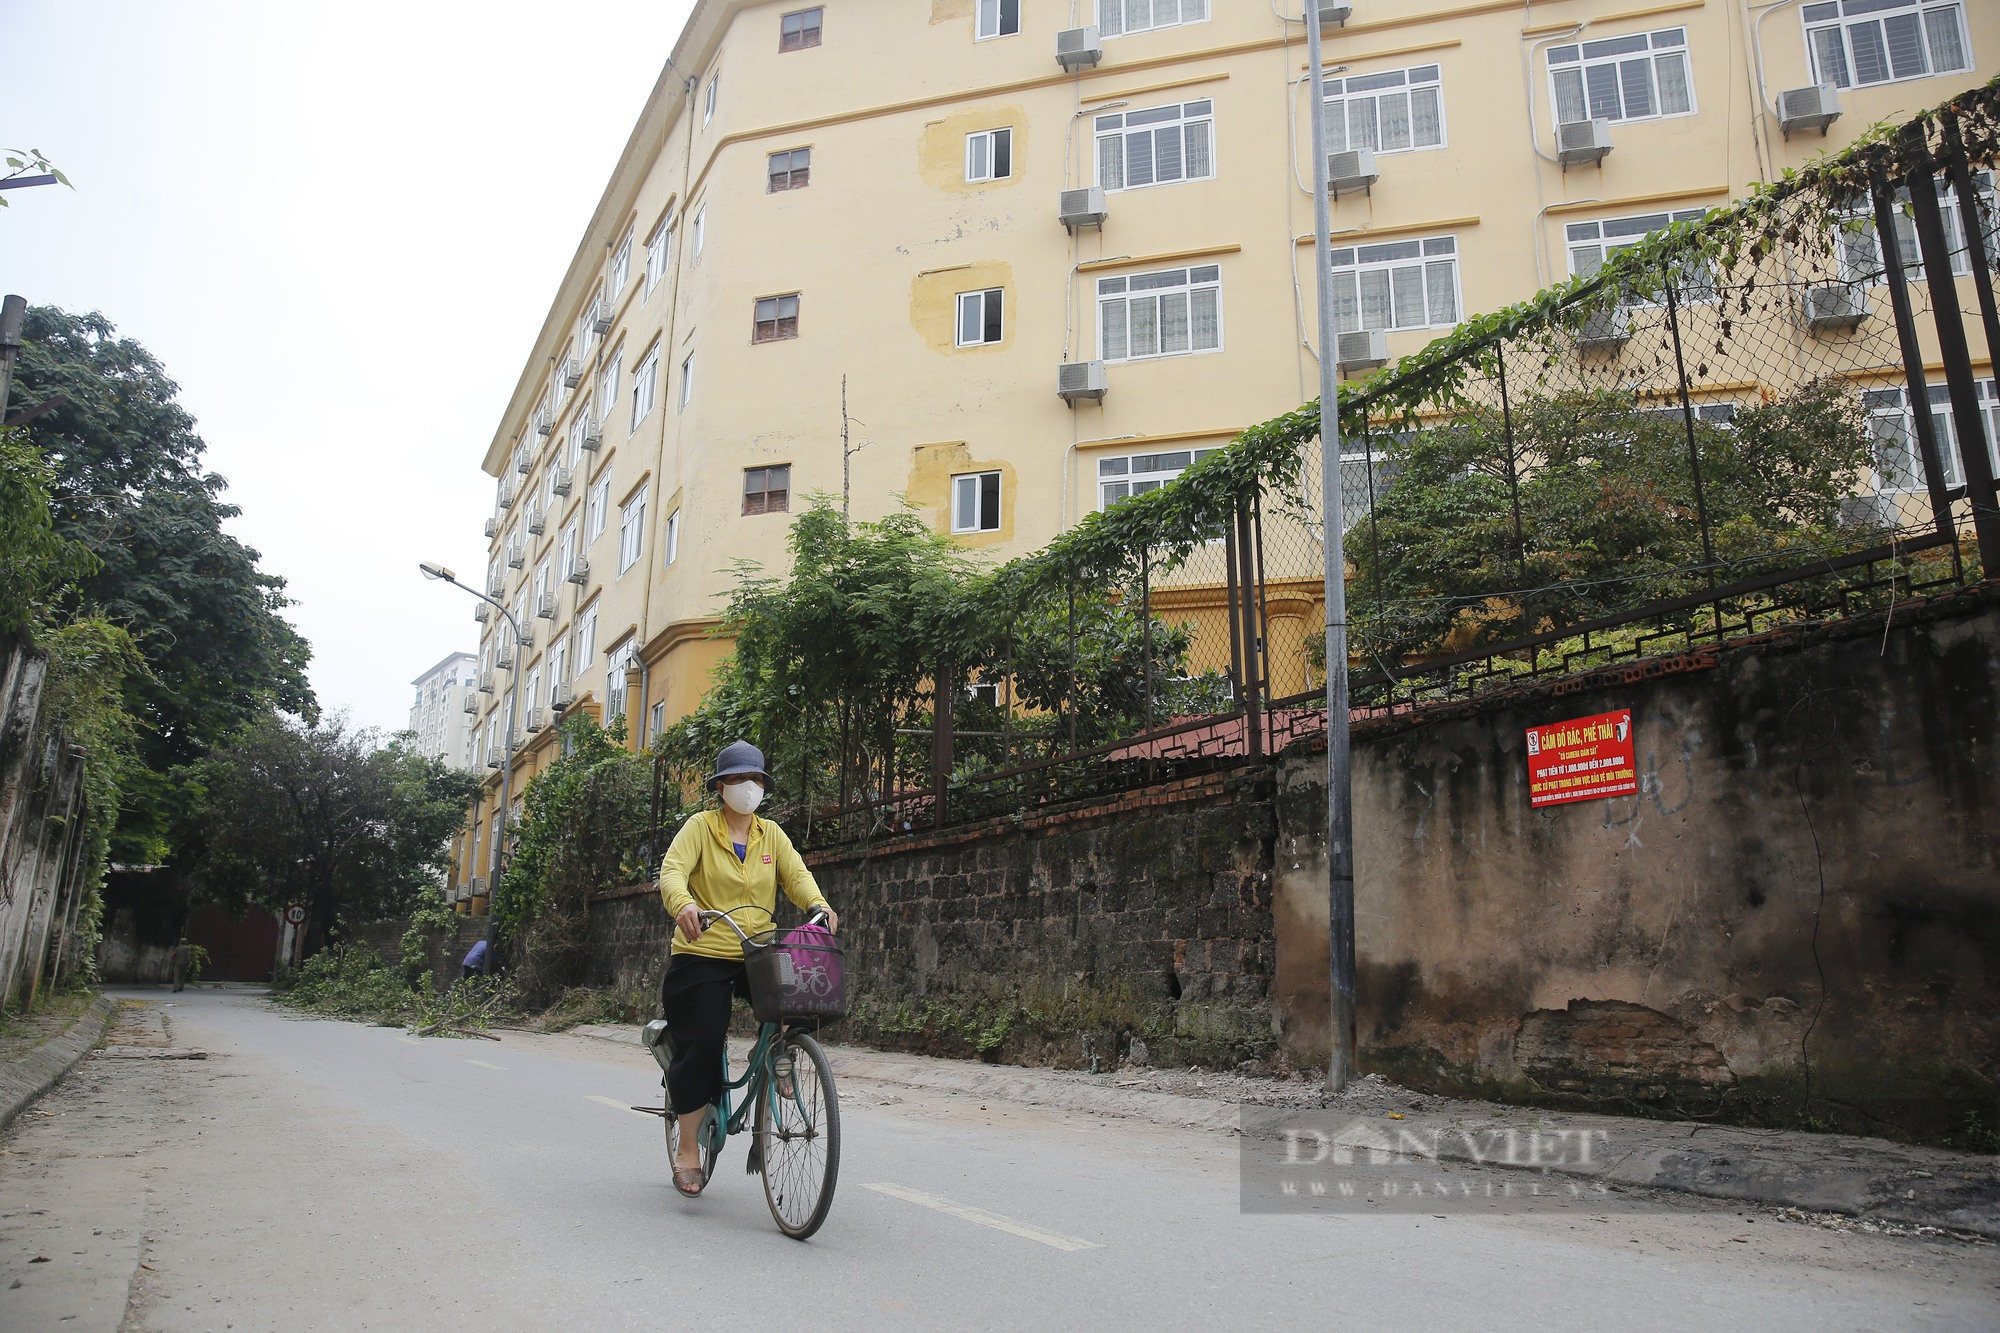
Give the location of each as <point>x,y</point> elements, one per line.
<point>433,571</point>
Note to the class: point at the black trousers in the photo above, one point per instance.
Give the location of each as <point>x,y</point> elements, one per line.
<point>695,998</point>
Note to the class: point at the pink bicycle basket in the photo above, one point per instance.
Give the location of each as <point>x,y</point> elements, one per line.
<point>797,975</point>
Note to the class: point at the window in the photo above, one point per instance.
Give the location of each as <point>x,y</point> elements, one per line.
<point>1135,474</point>
<point>621,266</point>
<point>708,99</point>
<point>558,673</point>
<point>1639,77</point>
<point>1860,250</point>
<point>571,547</point>
<point>775,318</point>
<point>565,561</point>
<point>598,507</point>
<point>687,381</point>
<point>533,687</point>
<point>1156,147</point>
<point>541,583</point>
<point>578,428</point>
<point>700,229</point>
<point>614,688</point>
<point>631,530</point>
<point>798,30</point>
<point>979,318</point>
<point>1391,112</point>
<point>1396,285</point>
<point>1591,243</point>
<point>1898,463</point>
<point>767,490</point>
<point>975,502</point>
<point>789,170</point>
<point>657,251</point>
<point>672,543</point>
<point>998,18</point>
<point>1858,42</point>
<point>989,155</point>
<point>1170,313</point>
<point>658,723</point>
<point>586,639</point>
<point>607,389</point>
<point>645,386</point>
<point>1117,17</point>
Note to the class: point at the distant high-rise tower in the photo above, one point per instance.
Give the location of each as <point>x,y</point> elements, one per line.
<point>439,718</point>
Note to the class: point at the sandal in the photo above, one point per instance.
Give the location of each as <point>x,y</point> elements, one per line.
<point>687,1179</point>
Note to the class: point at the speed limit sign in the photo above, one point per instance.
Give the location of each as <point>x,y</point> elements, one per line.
<point>296,914</point>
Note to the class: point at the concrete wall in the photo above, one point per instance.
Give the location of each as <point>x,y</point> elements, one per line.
<point>1803,895</point>
<point>42,863</point>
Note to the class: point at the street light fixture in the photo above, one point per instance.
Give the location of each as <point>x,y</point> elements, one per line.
<point>431,570</point>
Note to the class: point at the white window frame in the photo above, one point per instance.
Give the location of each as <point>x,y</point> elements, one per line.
<point>597,508</point>
<point>607,388</point>
<point>1115,134</point>
<point>980,154</point>
<point>586,638</point>
<point>558,665</point>
<point>1116,298</point>
<point>572,545</point>
<point>671,542</point>
<point>632,529</point>
<point>1430,262</point>
<point>993,17</point>
<point>656,721</point>
<point>532,688</point>
<point>1622,232</point>
<point>1120,476</point>
<point>1821,21</point>
<point>970,492</point>
<point>1656,51</point>
<point>710,98</point>
<point>984,308</point>
<point>579,426</point>
<point>621,267</point>
<point>1858,249</point>
<point>699,240</point>
<point>645,386</point>
<point>658,250</point>
<point>687,382</point>
<point>1892,424</point>
<point>1113,16</point>
<point>1360,105</point>
<point>543,572</point>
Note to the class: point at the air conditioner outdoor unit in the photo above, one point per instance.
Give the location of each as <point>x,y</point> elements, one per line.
<point>1363,349</point>
<point>562,697</point>
<point>1579,142</point>
<point>516,555</point>
<point>1870,511</point>
<point>503,657</point>
<point>1337,15</point>
<point>564,477</point>
<point>545,424</point>
<point>495,586</point>
<point>1082,208</point>
<point>1078,47</point>
<point>534,720</point>
<point>600,316</point>
<point>492,527</point>
<point>471,705</point>
<point>477,885</point>
<point>1080,379</point>
<point>538,520</point>
<point>1809,108</point>
<point>1836,308</point>
<point>546,608</point>
<point>581,574</point>
<point>505,499</point>
<point>524,461</point>
<point>1604,330</point>
<point>493,761</point>
<point>528,638</point>
<point>572,372</point>
<point>1350,171</point>
<point>593,434</point>
<point>486,682</point>
<point>481,611</point>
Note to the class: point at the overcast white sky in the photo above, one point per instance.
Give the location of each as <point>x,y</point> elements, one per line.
<point>339,226</point>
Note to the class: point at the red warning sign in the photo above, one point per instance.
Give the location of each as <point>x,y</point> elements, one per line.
<point>1581,759</point>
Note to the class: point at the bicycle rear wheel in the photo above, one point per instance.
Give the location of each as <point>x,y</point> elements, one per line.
<point>799,1138</point>
<point>708,1149</point>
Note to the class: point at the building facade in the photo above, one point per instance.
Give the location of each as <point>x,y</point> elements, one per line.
<point>441,717</point>
<point>919,210</point>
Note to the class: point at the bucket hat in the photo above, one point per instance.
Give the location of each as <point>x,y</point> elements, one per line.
<point>739,758</point>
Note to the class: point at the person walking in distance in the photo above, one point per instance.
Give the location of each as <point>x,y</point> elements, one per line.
<point>722,860</point>
<point>475,961</point>
<point>179,958</point>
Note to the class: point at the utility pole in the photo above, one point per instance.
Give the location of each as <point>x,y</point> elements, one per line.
<point>1339,757</point>
<point>847,453</point>
<point>13,315</point>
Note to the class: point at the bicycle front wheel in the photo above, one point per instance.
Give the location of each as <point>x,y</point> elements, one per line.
<point>799,1140</point>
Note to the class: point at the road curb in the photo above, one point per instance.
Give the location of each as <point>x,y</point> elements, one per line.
<point>25,1079</point>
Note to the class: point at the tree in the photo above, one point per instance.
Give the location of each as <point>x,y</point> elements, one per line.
<point>310,812</point>
<point>129,486</point>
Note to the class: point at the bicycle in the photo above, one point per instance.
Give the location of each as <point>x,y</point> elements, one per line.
<point>795,1146</point>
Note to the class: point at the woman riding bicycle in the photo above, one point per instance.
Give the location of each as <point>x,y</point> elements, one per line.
<point>721,860</point>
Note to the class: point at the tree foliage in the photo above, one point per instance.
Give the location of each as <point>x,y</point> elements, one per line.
<point>335,819</point>
<point>127,483</point>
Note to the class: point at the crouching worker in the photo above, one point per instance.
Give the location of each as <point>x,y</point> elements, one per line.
<point>722,859</point>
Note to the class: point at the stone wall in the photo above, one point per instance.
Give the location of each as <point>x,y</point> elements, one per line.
<point>1796,918</point>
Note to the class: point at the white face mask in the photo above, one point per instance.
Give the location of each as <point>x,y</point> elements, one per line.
<point>743,797</point>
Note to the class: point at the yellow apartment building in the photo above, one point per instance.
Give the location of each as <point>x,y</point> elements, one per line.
<point>1054,250</point>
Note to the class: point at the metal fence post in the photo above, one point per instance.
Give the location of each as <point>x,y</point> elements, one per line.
<point>1952,348</point>
<point>1897,280</point>
<point>944,691</point>
<point>1975,238</point>
<point>1513,466</point>
<point>1247,615</point>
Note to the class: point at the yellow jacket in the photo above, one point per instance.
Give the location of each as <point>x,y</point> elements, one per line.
<point>701,868</point>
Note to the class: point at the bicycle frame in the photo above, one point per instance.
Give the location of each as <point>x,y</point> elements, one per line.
<point>756,1078</point>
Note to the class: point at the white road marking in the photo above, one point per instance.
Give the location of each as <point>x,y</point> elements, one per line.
<point>498,1069</point>
<point>616,1105</point>
<point>409,1041</point>
<point>1053,1239</point>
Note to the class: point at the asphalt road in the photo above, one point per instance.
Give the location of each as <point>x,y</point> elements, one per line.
<point>311,1174</point>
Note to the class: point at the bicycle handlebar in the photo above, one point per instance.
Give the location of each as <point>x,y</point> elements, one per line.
<point>709,918</point>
